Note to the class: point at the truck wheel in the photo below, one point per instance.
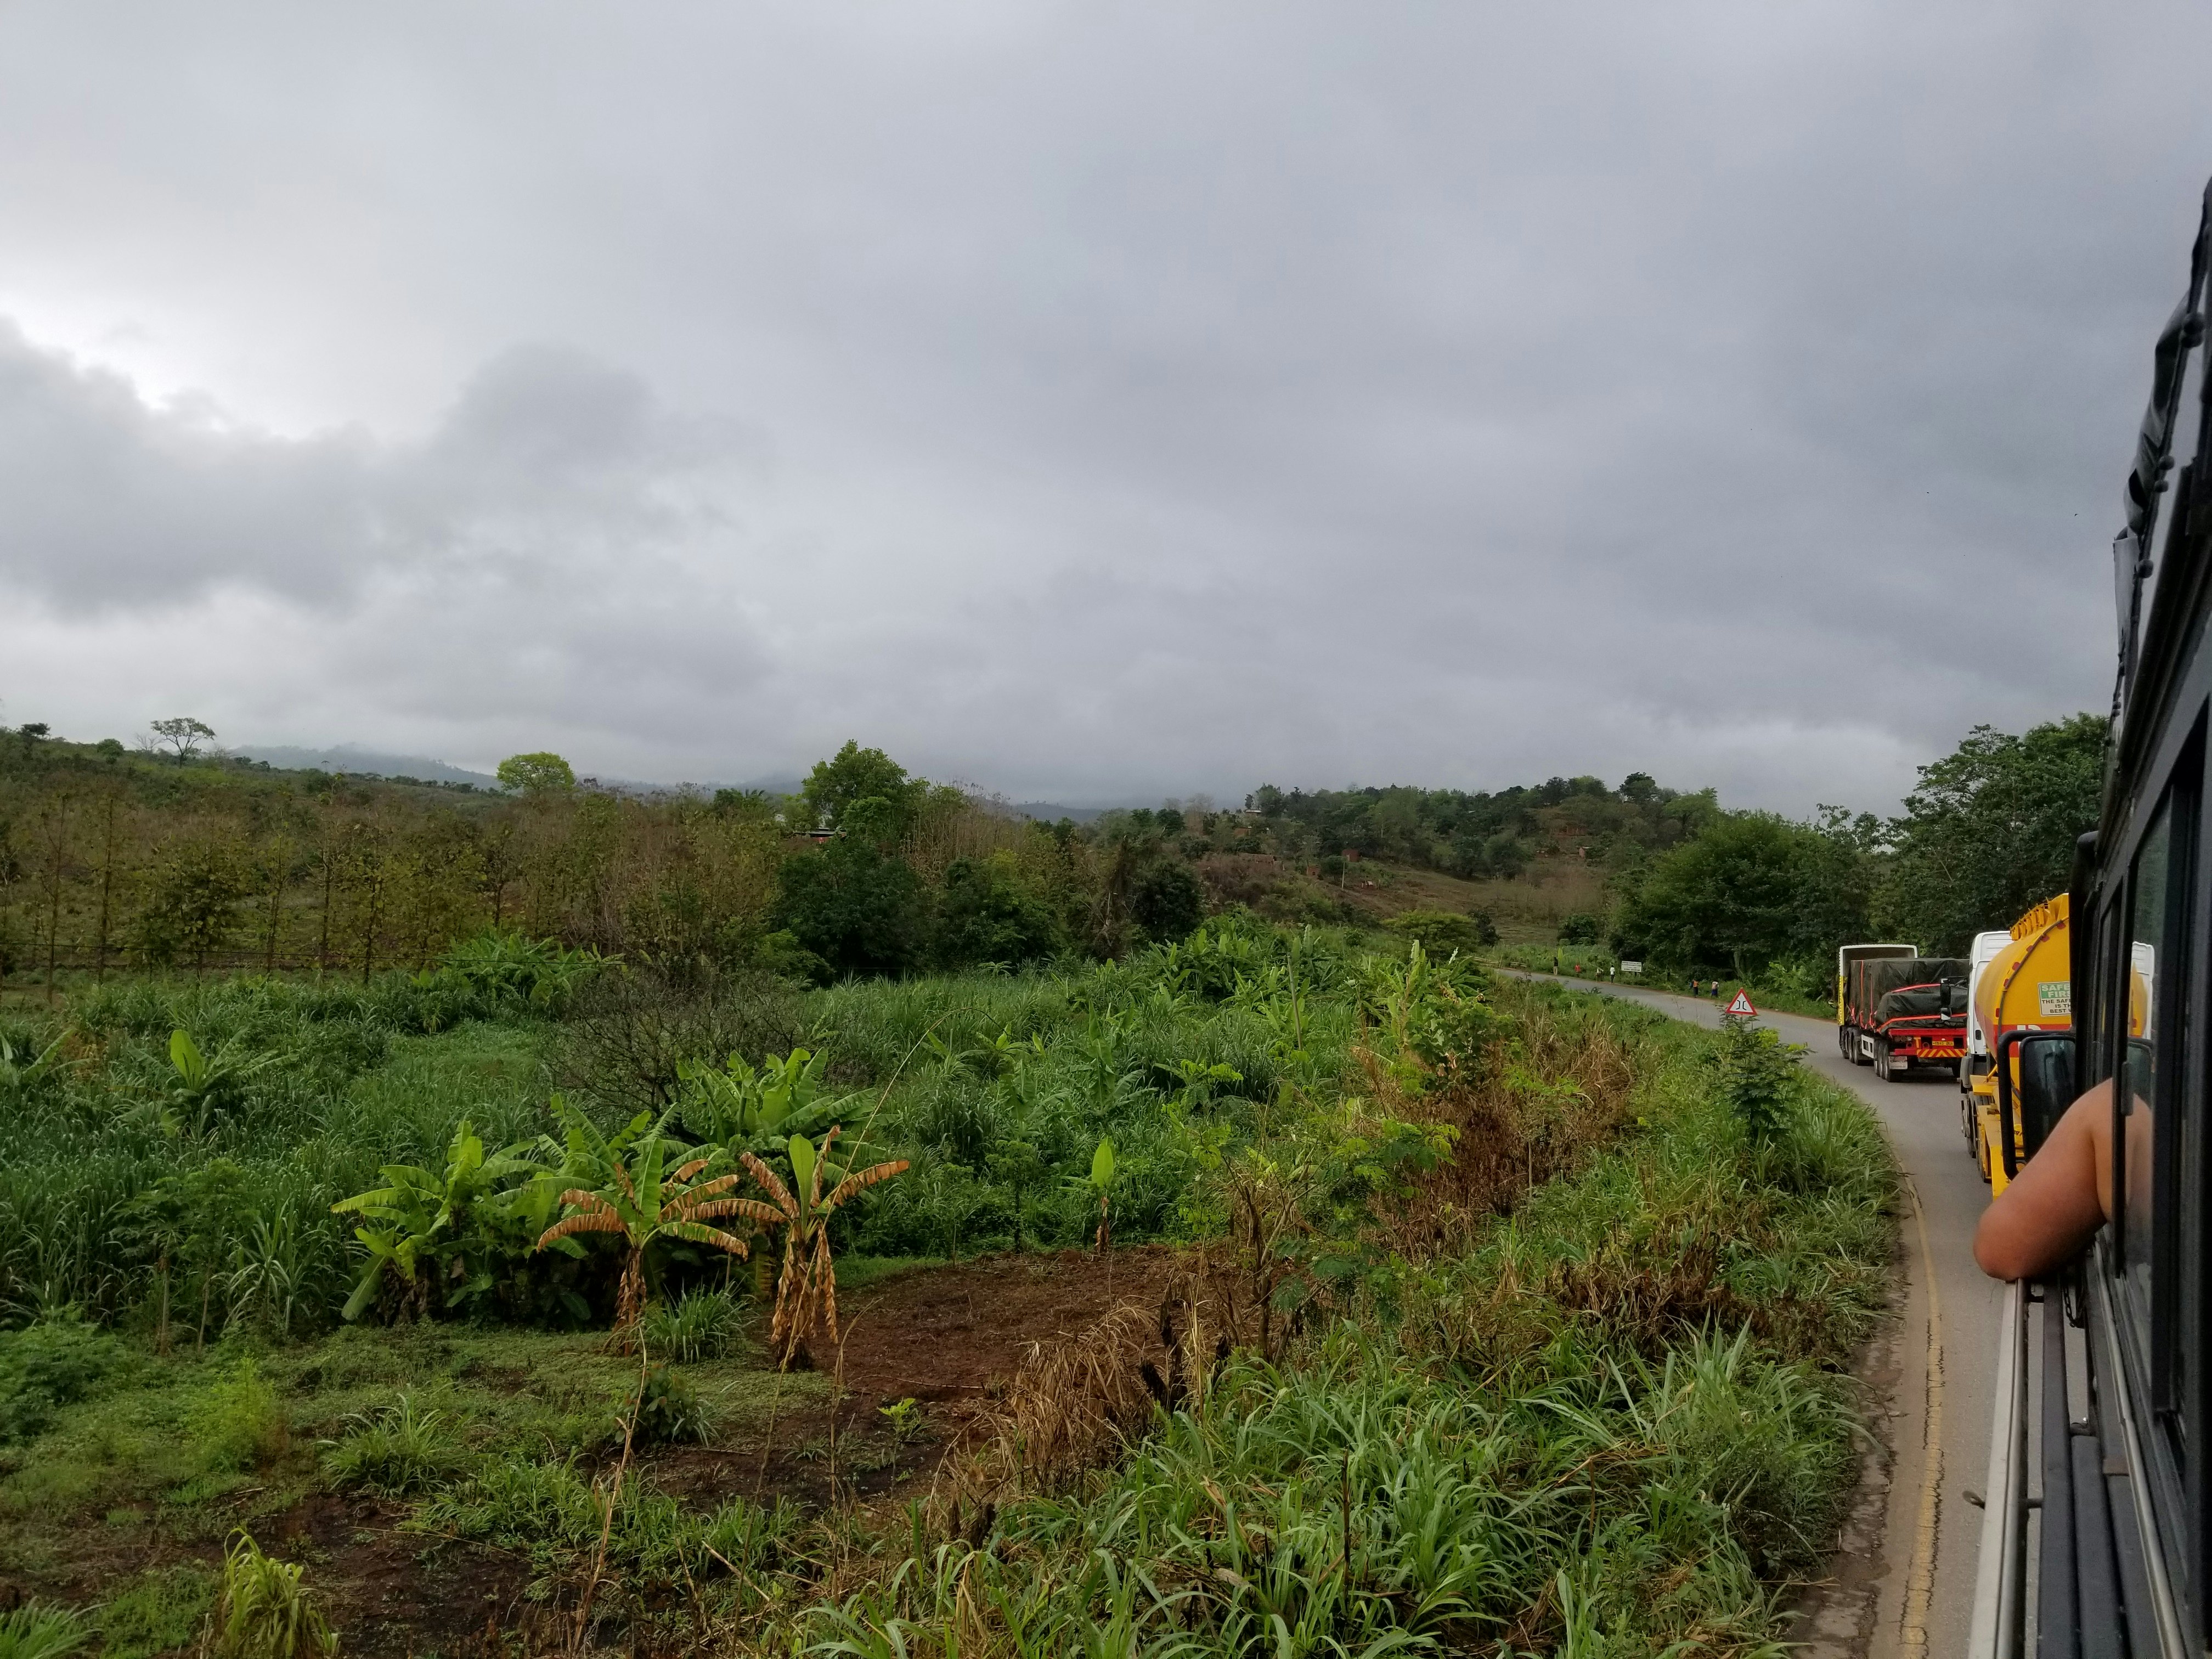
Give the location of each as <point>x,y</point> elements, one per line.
<point>1859,1055</point>
<point>1883,1062</point>
<point>1847,1040</point>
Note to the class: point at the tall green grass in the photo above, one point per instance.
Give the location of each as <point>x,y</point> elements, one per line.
<point>1597,1413</point>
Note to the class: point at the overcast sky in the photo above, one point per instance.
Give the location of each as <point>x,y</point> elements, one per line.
<point>1092,402</point>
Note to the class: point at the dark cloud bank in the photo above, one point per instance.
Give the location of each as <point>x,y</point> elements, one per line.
<point>1094,404</point>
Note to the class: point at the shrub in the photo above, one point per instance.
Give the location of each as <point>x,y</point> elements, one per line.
<point>265,1612</point>
<point>54,1363</point>
<point>1443,931</point>
<point>667,1409</point>
<point>240,1423</point>
<point>396,1451</point>
<point>1755,1077</point>
<point>702,1325</point>
<point>1579,928</point>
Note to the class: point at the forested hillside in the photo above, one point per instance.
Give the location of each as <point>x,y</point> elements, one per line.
<point>112,859</point>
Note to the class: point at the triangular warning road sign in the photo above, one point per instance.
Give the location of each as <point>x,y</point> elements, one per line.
<point>1740,1007</point>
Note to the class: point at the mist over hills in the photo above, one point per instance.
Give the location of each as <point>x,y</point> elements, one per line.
<point>353,757</point>
<point>359,760</point>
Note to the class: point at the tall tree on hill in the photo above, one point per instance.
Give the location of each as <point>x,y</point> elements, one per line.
<point>181,736</point>
<point>1989,831</point>
<point>111,871</point>
<point>854,774</point>
<point>541,773</point>
<point>54,856</point>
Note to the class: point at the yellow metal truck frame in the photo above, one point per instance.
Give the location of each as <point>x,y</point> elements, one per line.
<point>2027,986</point>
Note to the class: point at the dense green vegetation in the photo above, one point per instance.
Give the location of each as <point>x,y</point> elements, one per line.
<point>1514,1267</point>
<point>110,860</point>
<point>1989,832</point>
<point>1482,834</point>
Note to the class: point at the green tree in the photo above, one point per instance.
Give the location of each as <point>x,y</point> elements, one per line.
<point>987,915</point>
<point>190,911</point>
<point>854,774</point>
<point>181,735</point>
<point>539,774</point>
<point>1167,901</point>
<point>857,908</point>
<point>1753,887</point>
<point>1989,831</point>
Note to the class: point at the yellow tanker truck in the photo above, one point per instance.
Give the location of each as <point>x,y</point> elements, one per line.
<point>2027,985</point>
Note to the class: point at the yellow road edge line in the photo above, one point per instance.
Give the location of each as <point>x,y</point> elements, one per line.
<point>1920,1581</point>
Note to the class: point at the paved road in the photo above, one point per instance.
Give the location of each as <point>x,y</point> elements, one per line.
<point>1911,1591</point>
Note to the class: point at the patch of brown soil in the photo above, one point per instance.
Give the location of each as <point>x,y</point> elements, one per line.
<point>393,1592</point>
<point>949,1339</point>
<point>945,1334</point>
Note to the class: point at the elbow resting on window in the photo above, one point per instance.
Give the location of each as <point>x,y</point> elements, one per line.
<point>2054,1208</point>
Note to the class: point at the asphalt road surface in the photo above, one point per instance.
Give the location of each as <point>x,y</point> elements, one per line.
<point>1909,1592</point>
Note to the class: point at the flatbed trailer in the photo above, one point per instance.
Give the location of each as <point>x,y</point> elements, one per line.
<point>1907,1011</point>
<point>1848,957</point>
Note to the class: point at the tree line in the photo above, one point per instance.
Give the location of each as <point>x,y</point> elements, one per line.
<point>112,860</point>
<point>1988,831</point>
<point>1482,835</point>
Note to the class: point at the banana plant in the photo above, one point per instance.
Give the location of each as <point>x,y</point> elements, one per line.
<point>1199,1080</point>
<point>205,1085</point>
<point>806,1292</point>
<point>1101,1181</point>
<point>425,1213</point>
<point>508,968</point>
<point>740,1105</point>
<point>22,1071</point>
<point>647,1203</point>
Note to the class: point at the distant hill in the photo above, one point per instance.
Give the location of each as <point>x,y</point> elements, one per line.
<point>1045,813</point>
<point>351,757</point>
<point>358,761</point>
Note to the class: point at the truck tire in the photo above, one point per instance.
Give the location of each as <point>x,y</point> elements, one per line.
<point>1883,1066</point>
<point>1859,1055</point>
<point>1847,1040</point>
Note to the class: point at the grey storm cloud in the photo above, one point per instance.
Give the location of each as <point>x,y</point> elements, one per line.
<point>107,503</point>
<point>1092,402</point>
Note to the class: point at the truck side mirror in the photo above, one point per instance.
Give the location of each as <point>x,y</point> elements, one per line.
<point>2045,1089</point>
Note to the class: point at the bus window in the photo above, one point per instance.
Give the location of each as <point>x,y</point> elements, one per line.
<point>2139,1099</point>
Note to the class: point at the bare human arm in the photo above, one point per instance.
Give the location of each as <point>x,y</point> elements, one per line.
<point>2058,1202</point>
